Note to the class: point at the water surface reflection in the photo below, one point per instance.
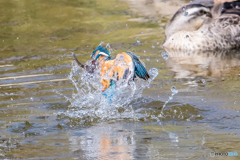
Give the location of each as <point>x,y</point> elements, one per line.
<point>214,64</point>
<point>146,141</point>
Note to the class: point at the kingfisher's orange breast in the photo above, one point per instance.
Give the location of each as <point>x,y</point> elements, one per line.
<point>118,66</point>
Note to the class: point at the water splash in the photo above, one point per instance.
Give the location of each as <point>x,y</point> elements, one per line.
<point>100,44</point>
<point>89,105</point>
<point>110,49</point>
<point>165,55</point>
<point>174,91</point>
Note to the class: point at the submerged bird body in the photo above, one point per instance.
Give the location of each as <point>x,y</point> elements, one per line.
<point>125,66</point>
<point>204,26</point>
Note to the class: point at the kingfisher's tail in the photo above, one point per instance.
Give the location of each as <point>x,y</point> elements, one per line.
<point>76,60</point>
<point>89,69</point>
<point>139,69</point>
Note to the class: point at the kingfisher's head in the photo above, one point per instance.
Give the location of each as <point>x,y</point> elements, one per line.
<point>100,51</point>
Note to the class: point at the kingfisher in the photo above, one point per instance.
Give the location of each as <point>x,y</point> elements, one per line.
<point>125,66</point>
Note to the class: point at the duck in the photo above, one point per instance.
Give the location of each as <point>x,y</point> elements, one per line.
<point>126,66</point>
<point>204,25</point>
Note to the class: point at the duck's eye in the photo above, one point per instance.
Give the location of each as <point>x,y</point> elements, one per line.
<point>202,12</point>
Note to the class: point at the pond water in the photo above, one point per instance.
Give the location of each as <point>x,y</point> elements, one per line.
<point>48,111</point>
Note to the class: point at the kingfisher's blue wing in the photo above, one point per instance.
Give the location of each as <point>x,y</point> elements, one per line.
<point>140,70</point>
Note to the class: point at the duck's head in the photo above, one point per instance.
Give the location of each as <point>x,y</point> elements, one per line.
<point>188,18</point>
<point>100,51</point>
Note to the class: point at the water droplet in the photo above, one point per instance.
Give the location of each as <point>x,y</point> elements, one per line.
<point>153,46</point>
<point>153,72</point>
<point>187,36</point>
<point>101,43</point>
<point>184,8</point>
<point>148,59</point>
<point>175,111</point>
<point>145,52</point>
<point>235,102</point>
<point>3,40</point>
<point>23,10</point>
<point>7,105</point>
<point>157,60</point>
<point>108,46</point>
<point>126,24</point>
<point>138,41</point>
<point>157,43</point>
<point>31,98</point>
<point>141,31</point>
<point>185,13</point>
<point>11,99</point>
<point>203,81</point>
<point>174,90</point>
<point>17,38</point>
<point>165,55</point>
<point>87,46</point>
